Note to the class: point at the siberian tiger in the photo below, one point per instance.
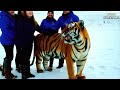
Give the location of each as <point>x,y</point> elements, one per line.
<point>72,44</point>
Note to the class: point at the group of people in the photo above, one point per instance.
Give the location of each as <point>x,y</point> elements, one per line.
<point>18,29</point>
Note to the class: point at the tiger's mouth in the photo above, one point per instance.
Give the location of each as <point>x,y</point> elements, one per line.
<point>68,38</point>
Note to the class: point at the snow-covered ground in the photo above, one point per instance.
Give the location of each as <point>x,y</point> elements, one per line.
<point>103,59</point>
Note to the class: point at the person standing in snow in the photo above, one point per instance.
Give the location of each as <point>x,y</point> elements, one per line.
<point>48,27</point>
<point>66,18</point>
<point>18,57</point>
<point>7,40</point>
<point>25,28</point>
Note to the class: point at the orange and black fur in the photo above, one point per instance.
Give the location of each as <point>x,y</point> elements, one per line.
<point>72,44</point>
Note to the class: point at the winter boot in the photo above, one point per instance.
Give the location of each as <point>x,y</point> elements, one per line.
<point>26,72</point>
<point>1,67</point>
<point>9,75</point>
<point>4,65</point>
<point>7,69</point>
<point>18,68</point>
<point>29,75</point>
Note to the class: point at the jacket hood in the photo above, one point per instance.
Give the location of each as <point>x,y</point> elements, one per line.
<point>67,15</point>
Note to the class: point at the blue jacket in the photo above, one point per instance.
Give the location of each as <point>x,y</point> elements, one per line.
<point>48,26</point>
<point>7,25</point>
<point>65,20</point>
<point>25,29</point>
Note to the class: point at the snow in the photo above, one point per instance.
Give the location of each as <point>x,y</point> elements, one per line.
<point>103,59</point>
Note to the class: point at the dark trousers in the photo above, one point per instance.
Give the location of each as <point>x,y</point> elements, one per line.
<point>18,56</point>
<point>8,59</point>
<point>9,51</point>
<point>23,58</point>
<point>51,61</point>
<point>61,62</point>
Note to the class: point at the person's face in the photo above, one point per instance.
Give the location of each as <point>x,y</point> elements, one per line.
<point>11,12</point>
<point>29,13</point>
<point>50,14</point>
<point>66,12</point>
<point>22,12</point>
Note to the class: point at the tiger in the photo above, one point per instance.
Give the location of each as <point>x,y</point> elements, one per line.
<point>73,44</point>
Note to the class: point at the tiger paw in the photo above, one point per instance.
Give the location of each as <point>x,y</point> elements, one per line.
<point>80,77</point>
<point>40,71</point>
<point>49,69</point>
<point>1,67</point>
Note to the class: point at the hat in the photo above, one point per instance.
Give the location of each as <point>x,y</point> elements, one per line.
<point>51,11</point>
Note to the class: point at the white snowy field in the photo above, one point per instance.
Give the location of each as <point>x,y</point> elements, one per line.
<point>103,59</point>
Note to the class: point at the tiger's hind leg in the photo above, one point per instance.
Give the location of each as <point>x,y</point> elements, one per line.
<point>38,64</point>
<point>80,66</point>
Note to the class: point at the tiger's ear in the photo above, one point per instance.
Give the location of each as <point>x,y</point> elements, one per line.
<point>81,23</point>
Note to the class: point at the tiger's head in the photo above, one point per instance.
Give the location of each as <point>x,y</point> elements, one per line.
<point>71,33</point>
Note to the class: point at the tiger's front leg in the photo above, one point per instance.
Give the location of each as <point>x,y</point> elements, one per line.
<point>38,63</point>
<point>45,63</point>
<point>80,66</point>
<point>70,68</point>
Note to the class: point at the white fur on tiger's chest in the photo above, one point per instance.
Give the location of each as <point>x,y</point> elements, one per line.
<point>79,55</point>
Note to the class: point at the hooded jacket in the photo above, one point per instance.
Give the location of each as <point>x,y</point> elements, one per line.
<point>48,26</point>
<point>7,25</point>
<point>66,19</point>
<point>25,29</point>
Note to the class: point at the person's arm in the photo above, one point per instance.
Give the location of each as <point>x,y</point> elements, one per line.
<point>40,28</point>
<point>76,18</point>
<point>57,25</point>
<point>36,26</point>
<point>6,26</point>
<point>52,31</point>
